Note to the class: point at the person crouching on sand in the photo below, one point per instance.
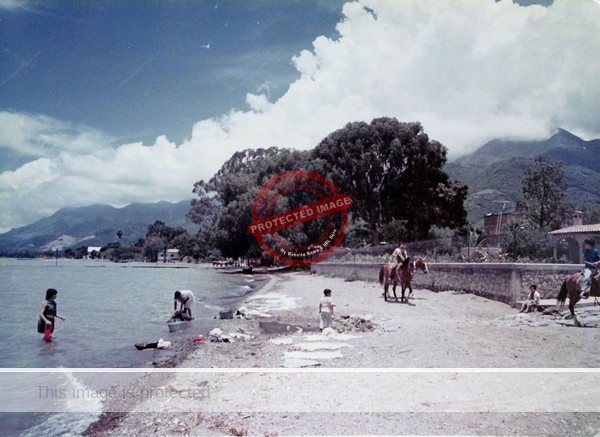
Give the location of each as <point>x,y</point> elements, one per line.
<point>48,314</point>
<point>186,300</point>
<point>326,309</point>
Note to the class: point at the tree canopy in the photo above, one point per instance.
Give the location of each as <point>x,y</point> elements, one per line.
<point>158,239</point>
<point>544,189</point>
<point>544,210</point>
<point>230,194</point>
<point>392,171</point>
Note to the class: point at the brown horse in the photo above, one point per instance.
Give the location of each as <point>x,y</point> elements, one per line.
<point>400,274</point>
<point>571,287</point>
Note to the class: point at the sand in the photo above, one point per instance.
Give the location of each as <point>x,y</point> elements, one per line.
<point>443,364</point>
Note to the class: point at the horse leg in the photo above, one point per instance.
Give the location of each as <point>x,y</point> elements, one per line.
<point>383,279</point>
<point>385,291</point>
<point>394,288</point>
<point>572,303</point>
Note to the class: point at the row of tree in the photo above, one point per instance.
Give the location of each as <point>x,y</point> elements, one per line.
<point>159,238</point>
<point>394,174</point>
<point>392,170</point>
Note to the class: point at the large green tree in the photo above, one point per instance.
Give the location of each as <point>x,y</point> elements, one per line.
<point>226,199</point>
<point>544,189</point>
<point>392,171</point>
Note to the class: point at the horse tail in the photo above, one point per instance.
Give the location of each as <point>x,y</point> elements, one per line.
<point>381,275</point>
<point>562,294</point>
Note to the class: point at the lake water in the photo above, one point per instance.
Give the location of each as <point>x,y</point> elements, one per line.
<point>108,308</point>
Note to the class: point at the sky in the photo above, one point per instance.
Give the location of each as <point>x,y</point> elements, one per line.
<point>118,102</point>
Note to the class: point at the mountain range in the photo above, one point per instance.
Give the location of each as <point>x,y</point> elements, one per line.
<point>493,173</point>
<point>94,225</point>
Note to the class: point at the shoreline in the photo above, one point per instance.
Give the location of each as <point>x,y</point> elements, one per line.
<point>109,420</point>
<point>189,347</point>
<point>435,330</point>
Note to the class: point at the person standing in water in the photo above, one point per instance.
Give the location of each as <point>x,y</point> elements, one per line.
<point>185,299</point>
<point>48,314</point>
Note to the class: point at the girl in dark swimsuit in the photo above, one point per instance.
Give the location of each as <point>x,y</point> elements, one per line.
<point>48,314</point>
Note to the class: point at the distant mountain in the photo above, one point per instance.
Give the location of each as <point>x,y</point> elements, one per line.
<point>95,225</point>
<point>494,172</point>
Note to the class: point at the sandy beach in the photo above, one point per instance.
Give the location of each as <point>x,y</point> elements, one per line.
<point>446,363</point>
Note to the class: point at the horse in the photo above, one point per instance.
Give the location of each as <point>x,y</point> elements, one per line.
<point>388,274</point>
<point>400,274</point>
<point>571,287</point>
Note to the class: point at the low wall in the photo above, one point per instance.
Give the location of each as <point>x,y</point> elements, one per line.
<point>503,282</point>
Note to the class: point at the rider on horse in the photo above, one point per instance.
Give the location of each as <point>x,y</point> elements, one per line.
<point>400,254</point>
<point>591,261</point>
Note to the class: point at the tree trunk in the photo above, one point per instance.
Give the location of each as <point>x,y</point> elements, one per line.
<point>373,225</point>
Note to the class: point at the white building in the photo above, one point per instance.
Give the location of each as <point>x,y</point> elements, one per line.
<point>172,255</point>
<point>90,252</point>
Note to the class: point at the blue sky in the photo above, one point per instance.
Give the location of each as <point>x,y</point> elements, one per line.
<point>126,101</point>
<point>137,70</point>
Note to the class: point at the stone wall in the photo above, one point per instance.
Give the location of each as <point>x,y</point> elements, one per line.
<point>503,282</point>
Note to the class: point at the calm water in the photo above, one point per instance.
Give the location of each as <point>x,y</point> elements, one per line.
<point>109,307</point>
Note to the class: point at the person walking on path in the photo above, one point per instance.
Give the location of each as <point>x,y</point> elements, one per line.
<point>326,309</point>
<point>48,314</point>
<point>591,260</point>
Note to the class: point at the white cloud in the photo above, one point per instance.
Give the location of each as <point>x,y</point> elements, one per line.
<point>42,136</point>
<point>468,70</point>
<point>13,4</point>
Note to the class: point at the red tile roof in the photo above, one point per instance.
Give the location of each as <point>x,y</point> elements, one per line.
<point>577,229</point>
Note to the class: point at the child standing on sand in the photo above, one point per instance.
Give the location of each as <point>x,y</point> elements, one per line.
<point>326,309</point>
